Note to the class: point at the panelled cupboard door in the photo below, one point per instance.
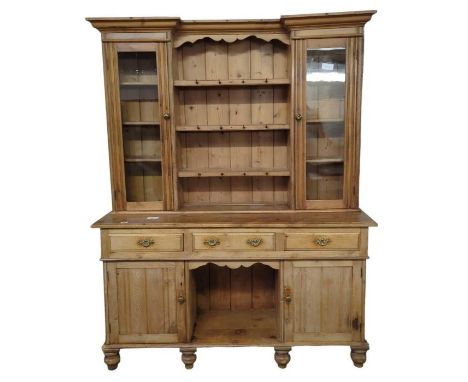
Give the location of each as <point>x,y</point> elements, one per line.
<point>327,112</point>
<point>145,302</point>
<point>137,84</point>
<point>323,301</point>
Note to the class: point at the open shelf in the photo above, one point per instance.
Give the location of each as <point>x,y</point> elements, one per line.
<point>240,87</point>
<point>233,82</point>
<point>209,172</point>
<point>234,305</point>
<point>218,128</point>
<point>236,327</point>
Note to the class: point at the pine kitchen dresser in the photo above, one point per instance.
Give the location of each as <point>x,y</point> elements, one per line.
<point>234,156</point>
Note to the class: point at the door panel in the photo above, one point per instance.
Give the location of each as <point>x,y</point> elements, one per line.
<point>141,136</point>
<point>325,301</point>
<point>327,120</point>
<point>143,302</point>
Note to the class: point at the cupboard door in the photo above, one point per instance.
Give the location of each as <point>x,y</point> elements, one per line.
<point>142,137</point>
<point>326,112</point>
<point>323,301</point>
<point>146,302</point>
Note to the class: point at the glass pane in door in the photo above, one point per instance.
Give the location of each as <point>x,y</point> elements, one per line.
<point>139,102</point>
<point>325,100</point>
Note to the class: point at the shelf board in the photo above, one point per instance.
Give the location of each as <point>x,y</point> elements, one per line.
<point>326,120</point>
<point>322,177</point>
<point>227,82</point>
<point>141,123</point>
<point>324,160</point>
<point>239,327</point>
<point>139,83</point>
<point>232,127</point>
<point>142,159</point>
<point>220,172</point>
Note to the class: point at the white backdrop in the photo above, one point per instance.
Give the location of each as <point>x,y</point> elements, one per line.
<point>55,182</point>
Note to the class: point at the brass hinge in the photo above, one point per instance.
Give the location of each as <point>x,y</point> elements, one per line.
<point>361,273</point>
<point>355,324</point>
<point>109,327</point>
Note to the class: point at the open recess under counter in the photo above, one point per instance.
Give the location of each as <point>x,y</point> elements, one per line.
<point>234,155</point>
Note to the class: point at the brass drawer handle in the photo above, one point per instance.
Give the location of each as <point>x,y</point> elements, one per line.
<point>145,242</point>
<point>212,242</point>
<point>181,299</point>
<point>322,241</point>
<point>256,242</point>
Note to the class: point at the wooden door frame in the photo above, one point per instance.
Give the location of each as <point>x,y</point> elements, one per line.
<point>354,52</point>
<point>114,123</point>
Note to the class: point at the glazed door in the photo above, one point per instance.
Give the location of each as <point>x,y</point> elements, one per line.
<point>146,302</point>
<point>326,112</point>
<point>323,301</point>
<point>141,124</point>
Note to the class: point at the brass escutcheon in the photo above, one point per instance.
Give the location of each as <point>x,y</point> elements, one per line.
<point>322,241</point>
<point>145,242</point>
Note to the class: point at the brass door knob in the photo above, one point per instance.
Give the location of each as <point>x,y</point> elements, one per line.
<point>181,299</point>
<point>298,116</point>
<point>166,116</point>
<point>287,299</point>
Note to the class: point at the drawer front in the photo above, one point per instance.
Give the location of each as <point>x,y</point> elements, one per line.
<point>306,241</point>
<point>151,242</point>
<point>234,241</point>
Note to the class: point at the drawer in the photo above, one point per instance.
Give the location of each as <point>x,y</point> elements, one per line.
<point>153,242</point>
<point>234,241</point>
<point>321,241</point>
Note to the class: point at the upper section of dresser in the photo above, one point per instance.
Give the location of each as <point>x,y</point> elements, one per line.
<point>235,115</point>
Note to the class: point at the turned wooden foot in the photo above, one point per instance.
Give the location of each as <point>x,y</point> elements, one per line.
<point>358,354</point>
<point>282,356</point>
<point>112,359</point>
<point>188,357</point>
